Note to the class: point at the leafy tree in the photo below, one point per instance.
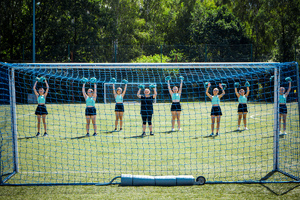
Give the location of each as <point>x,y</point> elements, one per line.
<point>218,28</point>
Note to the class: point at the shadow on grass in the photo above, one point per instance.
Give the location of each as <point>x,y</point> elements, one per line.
<point>22,138</point>
<point>110,131</point>
<point>234,131</point>
<point>206,136</point>
<point>283,190</point>
<point>168,132</point>
<point>137,136</point>
<point>80,137</point>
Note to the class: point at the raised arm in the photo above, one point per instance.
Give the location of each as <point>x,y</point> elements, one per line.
<point>114,91</point>
<point>83,91</point>
<point>124,92</point>
<point>288,91</point>
<point>169,88</point>
<point>47,90</point>
<point>139,93</point>
<point>223,93</point>
<point>248,91</point>
<point>155,92</point>
<point>207,93</point>
<point>34,89</point>
<point>95,91</point>
<point>180,88</point>
<point>236,93</point>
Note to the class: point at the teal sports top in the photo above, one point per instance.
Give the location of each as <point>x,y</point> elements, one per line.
<point>119,99</point>
<point>215,100</point>
<point>282,98</point>
<point>90,101</point>
<point>41,99</point>
<point>242,99</point>
<point>175,96</point>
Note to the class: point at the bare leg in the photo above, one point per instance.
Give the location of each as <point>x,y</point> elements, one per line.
<point>117,118</point>
<point>280,116</point>
<point>173,118</point>
<point>178,119</point>
<point>284,122</point>
<point>87,124</point>
<point>218,122</point>
<point>240,118</point>
<point>150,128</point>
<point>212,123</point>
<point>121,119</point>
<point>39,122</point>
<point>245,119</point>
<point>94,123</point>
<point>44,122</point>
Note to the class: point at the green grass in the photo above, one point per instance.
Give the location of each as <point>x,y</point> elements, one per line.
<point>67,157</point>
<point>222,191</point>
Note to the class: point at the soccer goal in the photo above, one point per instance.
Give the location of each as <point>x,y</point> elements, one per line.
<point>261,149</point>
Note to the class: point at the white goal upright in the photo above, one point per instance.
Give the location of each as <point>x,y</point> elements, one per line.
<point>262,153</point>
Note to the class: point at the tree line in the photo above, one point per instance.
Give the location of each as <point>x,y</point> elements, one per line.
<point>137,30</point>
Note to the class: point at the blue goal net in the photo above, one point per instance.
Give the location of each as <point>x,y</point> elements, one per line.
<point>85,124</point>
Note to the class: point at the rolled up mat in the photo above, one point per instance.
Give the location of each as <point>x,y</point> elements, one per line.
<point>144,180</point>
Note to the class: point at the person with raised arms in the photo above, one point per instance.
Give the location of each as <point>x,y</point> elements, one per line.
<point>119,108</point>
<point>41,110</point>
<point>90,110</point>
<point>216,111</point>
<point>147,107</point>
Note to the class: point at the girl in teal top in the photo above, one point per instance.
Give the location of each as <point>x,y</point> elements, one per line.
<point>242,108</point>
<point>119,108</point>
<point>90,110</point>
<point>216,109</point>
<point>282,107</point>
<point>41,110</point>
<point>175,107</point>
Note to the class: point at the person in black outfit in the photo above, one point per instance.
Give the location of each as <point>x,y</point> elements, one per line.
<point>147,107</point>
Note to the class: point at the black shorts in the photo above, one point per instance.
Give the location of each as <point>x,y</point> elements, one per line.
<point>216,110</point>
<point>90,111</point>
<point>146,112</point>
<point>119,107</point>
<point>176,106</point>
<point>242,108</point>
<point>282,109</point>
<point>41,110</point>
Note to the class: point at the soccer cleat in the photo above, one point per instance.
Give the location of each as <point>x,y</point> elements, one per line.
<point>173,129</point>
<point>246,128</point>
<point>87,135</point>
<point>115,130</point>
<point>179,129</point>
<point>284,133</point>
<point>143,134</point>
<point>217,134</point>
<point>212,134</point>
<point>38,134</point>
<point>121,129</point>
<point>95,134</point>
<point>45,134</point>
<point>151,133</point>
<point>238,128</point>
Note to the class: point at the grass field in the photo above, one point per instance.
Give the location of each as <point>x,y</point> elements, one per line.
<point>211,191</point>
<point>66,156</point>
